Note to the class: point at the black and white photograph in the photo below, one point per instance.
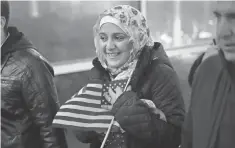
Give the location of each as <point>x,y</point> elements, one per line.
<point>117,74</point>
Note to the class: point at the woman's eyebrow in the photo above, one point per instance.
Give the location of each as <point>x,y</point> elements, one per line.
<point>114,33</point>
<point>118,33</point>
<point>102,33</point>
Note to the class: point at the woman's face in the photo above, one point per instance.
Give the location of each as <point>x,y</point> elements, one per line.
<point>114,44</point>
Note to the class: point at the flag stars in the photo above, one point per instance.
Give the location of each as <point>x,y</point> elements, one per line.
<point>113,85</point>
<point>115,140</point>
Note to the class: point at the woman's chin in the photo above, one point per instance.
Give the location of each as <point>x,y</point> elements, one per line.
<point>114,64</point>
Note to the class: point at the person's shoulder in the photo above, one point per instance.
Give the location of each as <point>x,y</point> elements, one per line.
<point>31,59</point>
<point>211,63</point>
<point>159,56</point>
<point>162,68</point>
<point>162,73</point>
<point>211,51</point>
<point>159,65</point>
<point>29,55</point>
<point>210,68</point>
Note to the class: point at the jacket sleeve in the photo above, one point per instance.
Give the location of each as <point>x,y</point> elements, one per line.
<point>138,121</point>
<point>41,100</point>
<point>187,131</point>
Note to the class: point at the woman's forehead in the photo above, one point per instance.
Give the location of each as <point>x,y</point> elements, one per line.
<point>110,28</point>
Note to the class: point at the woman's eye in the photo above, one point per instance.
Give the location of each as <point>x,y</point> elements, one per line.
<point>120,38</point>
<point>103,38</point>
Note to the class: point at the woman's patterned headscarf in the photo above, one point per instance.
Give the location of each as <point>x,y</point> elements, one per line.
<point>133,23</point>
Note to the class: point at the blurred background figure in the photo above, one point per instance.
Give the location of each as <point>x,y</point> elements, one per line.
<point>210,121</point>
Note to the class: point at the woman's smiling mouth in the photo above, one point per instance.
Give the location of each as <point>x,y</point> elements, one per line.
<point>112,55</point>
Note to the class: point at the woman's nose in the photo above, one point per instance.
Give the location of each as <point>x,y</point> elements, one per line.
<point>110,45</point>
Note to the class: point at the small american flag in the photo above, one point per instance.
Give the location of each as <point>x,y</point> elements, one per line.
<point>83,111</point>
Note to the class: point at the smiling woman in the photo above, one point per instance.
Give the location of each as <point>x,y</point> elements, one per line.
<point>149,111</point>
<point>115,45</point>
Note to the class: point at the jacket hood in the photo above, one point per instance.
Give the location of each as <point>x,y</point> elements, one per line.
<point>17,41</point>
<point>159,53</point>
<point>149,58</point>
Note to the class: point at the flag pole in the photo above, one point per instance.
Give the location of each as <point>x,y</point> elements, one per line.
<point>111,123</point>
<point>107,134</point>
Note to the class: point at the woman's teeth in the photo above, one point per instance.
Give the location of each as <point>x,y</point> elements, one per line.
<point>112,54</point>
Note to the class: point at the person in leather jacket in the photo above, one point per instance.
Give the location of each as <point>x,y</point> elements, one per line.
<point>28,94</point>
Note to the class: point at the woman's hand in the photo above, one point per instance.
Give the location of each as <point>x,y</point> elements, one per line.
<point>112,95</point>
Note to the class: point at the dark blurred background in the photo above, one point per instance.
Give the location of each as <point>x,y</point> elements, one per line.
<point>62,31</point>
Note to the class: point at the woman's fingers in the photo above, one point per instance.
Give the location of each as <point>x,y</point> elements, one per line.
<point>108,97</point>
<point>119,91</point>
<point>111,93</point>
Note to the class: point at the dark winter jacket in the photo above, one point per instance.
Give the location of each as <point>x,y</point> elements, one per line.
<point>210,120</point>
<point>28,97</point>
<point>155,79</point>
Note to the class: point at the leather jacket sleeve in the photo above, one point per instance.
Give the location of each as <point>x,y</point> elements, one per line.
<point>41,100</point>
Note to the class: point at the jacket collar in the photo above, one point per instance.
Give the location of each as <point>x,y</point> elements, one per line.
<point>15,42</point>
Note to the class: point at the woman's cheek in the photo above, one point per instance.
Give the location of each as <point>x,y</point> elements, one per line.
<point>102,46</point>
